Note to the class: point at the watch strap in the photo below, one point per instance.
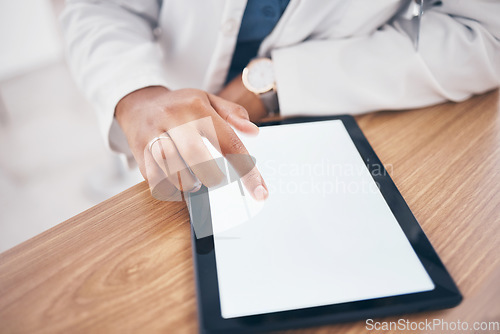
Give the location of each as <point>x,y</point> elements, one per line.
<point>270,101</point>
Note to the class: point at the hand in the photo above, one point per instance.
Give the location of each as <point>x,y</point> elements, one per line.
<point>236,92</point>
<point>186,115</point>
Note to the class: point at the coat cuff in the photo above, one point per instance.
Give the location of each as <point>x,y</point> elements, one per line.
<point>112,133</point>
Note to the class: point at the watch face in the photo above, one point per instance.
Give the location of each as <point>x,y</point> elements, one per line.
<point>258,76</point>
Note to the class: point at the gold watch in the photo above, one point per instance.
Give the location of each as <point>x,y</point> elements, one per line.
<point>258,77</point>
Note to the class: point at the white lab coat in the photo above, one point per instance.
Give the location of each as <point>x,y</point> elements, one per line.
<point>330,56</point>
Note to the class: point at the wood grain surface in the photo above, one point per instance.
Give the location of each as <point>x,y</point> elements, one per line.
<point>125,265</point>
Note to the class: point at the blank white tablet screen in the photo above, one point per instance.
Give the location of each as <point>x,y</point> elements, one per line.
<point>324,236</point>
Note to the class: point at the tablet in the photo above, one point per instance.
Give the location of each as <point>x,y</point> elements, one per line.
<point>334,242</point>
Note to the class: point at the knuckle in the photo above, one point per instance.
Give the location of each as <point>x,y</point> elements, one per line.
<point>196,102</point>
<point>240,110</point>
<point>235,145</point>
<point>192,152</point>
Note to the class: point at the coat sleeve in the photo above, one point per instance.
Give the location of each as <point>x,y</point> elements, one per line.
<point>458,56</point>
<point>111,51</point>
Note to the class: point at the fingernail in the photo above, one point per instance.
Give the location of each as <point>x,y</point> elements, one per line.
<point>242,121</point>
<point>260,193</point>
<point>196,186</point>
<point>253,125</point>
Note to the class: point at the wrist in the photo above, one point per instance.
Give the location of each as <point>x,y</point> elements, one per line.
<point>236,92</point>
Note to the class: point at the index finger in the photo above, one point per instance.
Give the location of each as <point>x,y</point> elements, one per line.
<point>235,152</point>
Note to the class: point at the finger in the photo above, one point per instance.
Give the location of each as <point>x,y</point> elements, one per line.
<point>235,152</point>
<point>196,155</point>
<point>234,114</point>
<point>249,179</point>
<point>161,188</point>
<point>175,170</point>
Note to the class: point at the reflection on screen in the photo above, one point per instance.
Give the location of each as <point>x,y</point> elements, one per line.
<point>324,236</point>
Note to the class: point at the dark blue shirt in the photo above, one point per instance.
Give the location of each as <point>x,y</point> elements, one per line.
<point>259,19</point>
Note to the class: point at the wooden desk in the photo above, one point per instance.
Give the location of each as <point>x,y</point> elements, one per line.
<point>125,265</point>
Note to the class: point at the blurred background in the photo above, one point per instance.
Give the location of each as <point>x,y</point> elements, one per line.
<point>53,162</point>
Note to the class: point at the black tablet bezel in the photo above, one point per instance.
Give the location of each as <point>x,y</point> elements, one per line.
<point>445,294</point>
